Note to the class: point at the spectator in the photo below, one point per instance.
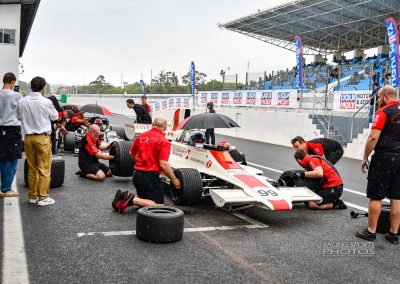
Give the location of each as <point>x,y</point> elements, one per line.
<point>35,113</point>
<point>150,151</point>
<point>142,116</point>
<point>388,79</point>
<point>145,104</point>
<point>384,172</point>
<point>55,124</point>
<point>331,187</point>
<point>89,155</point>
<point>323,147</point>
<point>374,101</point>
<point>210,131</point>
<point>10,135</point>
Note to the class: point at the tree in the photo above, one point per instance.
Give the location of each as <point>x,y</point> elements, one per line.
<point>200,78</point>
<point>99,82</point>
<point>166,79</point>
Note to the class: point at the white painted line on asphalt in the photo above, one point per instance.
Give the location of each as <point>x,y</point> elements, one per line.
<point>345,189</point>
<point>15,268</point>
<point>356,206</point>
<point>186,230</point>
<point>248,219</point>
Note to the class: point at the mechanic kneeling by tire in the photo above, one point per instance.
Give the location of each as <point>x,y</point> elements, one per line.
<point>331,183</point>
<point>89,155</point>
<point>150,152</point>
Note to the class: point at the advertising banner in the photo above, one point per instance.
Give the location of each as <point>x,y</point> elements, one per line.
<point>273,98</point>
<point>393,40</point>
<point>170,104</point>
<point>351,101</point>
<point>299,61</point>
<point>193,77</point>
<point>143,87</point>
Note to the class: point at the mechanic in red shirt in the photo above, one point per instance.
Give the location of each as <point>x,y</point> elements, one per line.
<point>331,188</point>
<point>145,104</point>
<point>384,172</point>
<point>150,152</point>
<point>324,147</point>
<point>89,155</point>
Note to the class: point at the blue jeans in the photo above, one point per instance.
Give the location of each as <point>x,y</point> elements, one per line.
<point>8,169</point>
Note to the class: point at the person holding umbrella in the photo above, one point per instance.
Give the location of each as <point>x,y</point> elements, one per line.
<point>210,131</point>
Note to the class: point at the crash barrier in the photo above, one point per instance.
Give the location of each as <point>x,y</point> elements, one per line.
<point>56,175</point>
<point>344,101</point>
<point>122,165</point>
<point>159,224</point>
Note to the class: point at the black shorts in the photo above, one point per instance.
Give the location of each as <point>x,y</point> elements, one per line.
<point>330,194</point>
<point>149,186</point>
<point>93,169</point>
<point>384,176</point>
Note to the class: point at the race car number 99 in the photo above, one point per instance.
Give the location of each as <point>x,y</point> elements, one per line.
<point>269,192</point>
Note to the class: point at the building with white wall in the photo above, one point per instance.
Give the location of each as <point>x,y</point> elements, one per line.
<point>16,19</point>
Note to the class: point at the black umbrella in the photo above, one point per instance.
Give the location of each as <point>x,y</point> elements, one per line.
<point>95,108</point>
<point>209,120</point>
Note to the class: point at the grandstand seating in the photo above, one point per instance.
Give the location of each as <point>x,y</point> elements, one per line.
<point>355,75</point>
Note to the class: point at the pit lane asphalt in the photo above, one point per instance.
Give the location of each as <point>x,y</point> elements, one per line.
<point>288,251</point>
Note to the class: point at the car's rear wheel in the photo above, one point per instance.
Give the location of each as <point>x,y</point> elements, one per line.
<point>69,141</point>
<point>122,165</point>
<point>191,187</point>
<point>290,179</point>
<point>120,131</point>
<point>159,224</point>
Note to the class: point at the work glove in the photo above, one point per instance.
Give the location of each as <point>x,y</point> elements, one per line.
<point>300,175</point>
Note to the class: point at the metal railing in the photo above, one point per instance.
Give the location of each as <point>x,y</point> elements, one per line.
<point>365,116</point>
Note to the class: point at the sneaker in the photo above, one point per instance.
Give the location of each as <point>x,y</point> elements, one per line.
<point>119,196</point>
<point>33,200</point>
<point>366,235</point>
<point>126,202</point>
<point>9,193</point>
<point>339,204</point>
<point>46,201</point>
<point>392,238</point>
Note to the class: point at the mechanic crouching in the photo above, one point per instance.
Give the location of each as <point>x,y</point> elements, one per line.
<point>89,155</point>
<point>331,188</point>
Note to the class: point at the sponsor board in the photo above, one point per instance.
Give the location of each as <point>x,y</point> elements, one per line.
<point>266,98</point>
<point>237,98</point>
<point>351,101</point>
<point>204,98</point>
<point>225,98</point>
<point>214,98</point>
<point>251,98</point>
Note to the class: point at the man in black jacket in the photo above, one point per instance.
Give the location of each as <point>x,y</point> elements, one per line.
<point>142,116</point>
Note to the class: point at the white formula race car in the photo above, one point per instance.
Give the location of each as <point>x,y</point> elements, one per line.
<point>212,171</point>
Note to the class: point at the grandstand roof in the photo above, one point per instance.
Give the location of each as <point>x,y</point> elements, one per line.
<point>325,26</point>
<point>28,13</point>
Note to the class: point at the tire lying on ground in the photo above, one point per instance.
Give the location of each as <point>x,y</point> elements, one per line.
<point>291,180</point>
<point>57,172</point>
<point>159,224</point>
<point>69,141</point>
<point>120,131</point>
<point>122,165</point>
<point>191,187</point>
<point>384,220</point>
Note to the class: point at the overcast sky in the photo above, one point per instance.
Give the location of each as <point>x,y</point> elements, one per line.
<point>73,42</point>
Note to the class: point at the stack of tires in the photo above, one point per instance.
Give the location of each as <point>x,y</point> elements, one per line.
<point>57,172</point>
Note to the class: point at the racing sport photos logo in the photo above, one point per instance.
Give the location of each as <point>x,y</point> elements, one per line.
<point>266,98</point>
<point>251,98</point>
<point>237,98</point>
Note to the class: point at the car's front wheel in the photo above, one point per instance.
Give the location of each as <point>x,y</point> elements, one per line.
<point>191,187</point>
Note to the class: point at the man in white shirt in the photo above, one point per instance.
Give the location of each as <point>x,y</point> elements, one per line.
<point>10,135</point>
<point>35,113</point>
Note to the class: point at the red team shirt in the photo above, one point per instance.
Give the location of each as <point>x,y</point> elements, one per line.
<point>331,176</point>
<point>147,107</point>
<point>316,148</point>
<point>92,146</point>
<point>153,147</point>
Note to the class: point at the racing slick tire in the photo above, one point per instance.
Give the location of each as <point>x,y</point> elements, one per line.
<point>384,220</point>
<point>159,224</point>
<point>69,141</point>
<point>290,179</point>
<point>120,131</point>
<point>122,165</point>
<point>191,187</point>
<point>57,172</point>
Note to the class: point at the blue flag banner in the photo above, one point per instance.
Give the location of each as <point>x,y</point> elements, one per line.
<point>193,76</point>
<point>143,87</point>
<point>393,40</point>
<point>299,61</point>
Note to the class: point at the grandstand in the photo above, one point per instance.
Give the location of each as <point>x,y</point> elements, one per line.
<point>326,27</point>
